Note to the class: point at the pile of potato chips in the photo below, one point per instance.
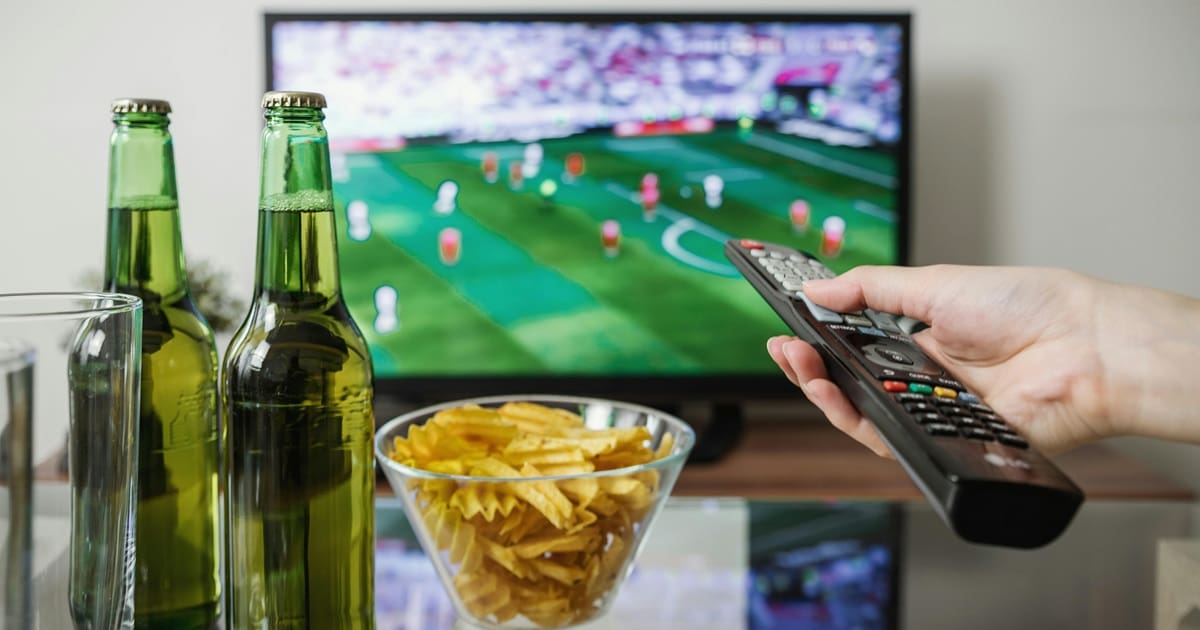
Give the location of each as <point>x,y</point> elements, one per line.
<point>547,550</point>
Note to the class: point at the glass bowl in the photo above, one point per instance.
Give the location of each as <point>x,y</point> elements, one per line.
<point>547,551</point>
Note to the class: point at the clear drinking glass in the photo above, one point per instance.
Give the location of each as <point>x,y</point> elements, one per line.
<point>70,368</point>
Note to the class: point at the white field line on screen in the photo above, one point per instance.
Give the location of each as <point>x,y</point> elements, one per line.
<point>807,156</point>
<point>734,174</point>
<point>870,209</point>
<point>681,224</point>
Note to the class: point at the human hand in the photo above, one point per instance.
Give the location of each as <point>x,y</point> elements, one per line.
<point>1031,342</point>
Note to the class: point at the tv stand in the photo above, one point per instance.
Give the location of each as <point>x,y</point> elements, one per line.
<point>718,427</point>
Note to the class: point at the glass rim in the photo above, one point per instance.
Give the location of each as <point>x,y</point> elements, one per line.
<point>682,447</point>
<point>58,304</point>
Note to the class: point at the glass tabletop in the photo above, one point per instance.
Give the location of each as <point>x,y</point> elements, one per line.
<point>707,563</point>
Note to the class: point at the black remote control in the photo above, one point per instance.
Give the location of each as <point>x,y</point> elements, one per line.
<point>979,474</point>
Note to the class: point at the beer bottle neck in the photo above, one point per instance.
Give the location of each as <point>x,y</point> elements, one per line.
<point>297,247</point>
<point>144,247</point>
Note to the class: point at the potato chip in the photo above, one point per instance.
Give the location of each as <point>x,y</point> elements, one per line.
<point>541,545</point>
<point>536,419</point>
<point>545,550</point>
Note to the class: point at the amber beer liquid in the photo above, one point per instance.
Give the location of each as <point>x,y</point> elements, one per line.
<point>177,574</point>
<point>297,396</point>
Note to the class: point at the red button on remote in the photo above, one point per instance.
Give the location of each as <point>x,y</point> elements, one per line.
<point>750,244</point>
<point>895,386</point>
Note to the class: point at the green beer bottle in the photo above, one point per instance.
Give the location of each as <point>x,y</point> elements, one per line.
<point>297,386</point>
<point>177,574</point>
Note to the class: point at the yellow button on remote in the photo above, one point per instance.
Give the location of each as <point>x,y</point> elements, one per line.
<point>944,392</point>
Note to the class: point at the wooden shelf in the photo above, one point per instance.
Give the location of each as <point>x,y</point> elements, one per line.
<point>809,459</point>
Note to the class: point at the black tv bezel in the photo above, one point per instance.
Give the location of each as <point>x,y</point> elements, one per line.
<point>653,388</point>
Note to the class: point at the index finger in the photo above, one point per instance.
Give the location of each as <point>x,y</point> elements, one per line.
<point>905,291</point>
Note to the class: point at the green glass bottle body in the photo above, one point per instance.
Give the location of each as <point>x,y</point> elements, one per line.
<point>297,390</point>
<point>177,577</point>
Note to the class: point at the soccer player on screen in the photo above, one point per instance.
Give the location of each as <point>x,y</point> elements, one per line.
<point>490,167</point>
<point>649,204</point>
<point>386,320</point>
<point>713,187</point>
<point>800,212</point>
<point>533,160</point>
<point>447,197</point>
<point>516,175</point>
<point>833,235</point>
<point>450,246</point>
<point>610,237</point>
<point>358,221</point>
<point>649,182</point>
<point>574,167</point>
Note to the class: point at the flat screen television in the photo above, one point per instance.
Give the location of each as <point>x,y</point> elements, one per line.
<point>538,202</point>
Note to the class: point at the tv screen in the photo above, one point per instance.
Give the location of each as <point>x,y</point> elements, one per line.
<point>542,200</point>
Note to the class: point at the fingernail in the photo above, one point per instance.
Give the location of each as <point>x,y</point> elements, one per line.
<point>807,283</point>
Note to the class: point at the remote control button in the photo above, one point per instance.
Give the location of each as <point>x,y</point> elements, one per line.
<point>891,355</point>
<point>798,258</point>
<point>999,426</point>
<point>966,421</point>
<point>883,321</point>
<point>983,415</point>
<point>856,320</point>
<point>944,392</point>
<point>778,255</point>
<point>920,388</point>
<point>968,397</point>
<point>978,407</point>
<point>951,409</point>
<point>1012,440</point>
<point>757,253</point>
<point>897,386</point>
<point>821,313</point>
<point>750,243</point>
<point>872,331</point>
<point>907,397</point>
<point>972,433</point>
<point>920,407</point>
<point>941,429</point>
<point>927,417</point>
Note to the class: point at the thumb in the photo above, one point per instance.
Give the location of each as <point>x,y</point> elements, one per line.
<point>898,290</point>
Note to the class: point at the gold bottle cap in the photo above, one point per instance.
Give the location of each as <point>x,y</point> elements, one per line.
<point>140,105</point>
<point>293,99</point>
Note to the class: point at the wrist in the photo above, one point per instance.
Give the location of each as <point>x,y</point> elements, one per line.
<point>1149,341</point>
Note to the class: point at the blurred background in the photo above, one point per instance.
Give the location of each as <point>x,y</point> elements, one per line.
<point>1059,133</point>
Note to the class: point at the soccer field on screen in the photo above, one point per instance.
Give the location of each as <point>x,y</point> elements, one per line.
<point>533,291</point>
